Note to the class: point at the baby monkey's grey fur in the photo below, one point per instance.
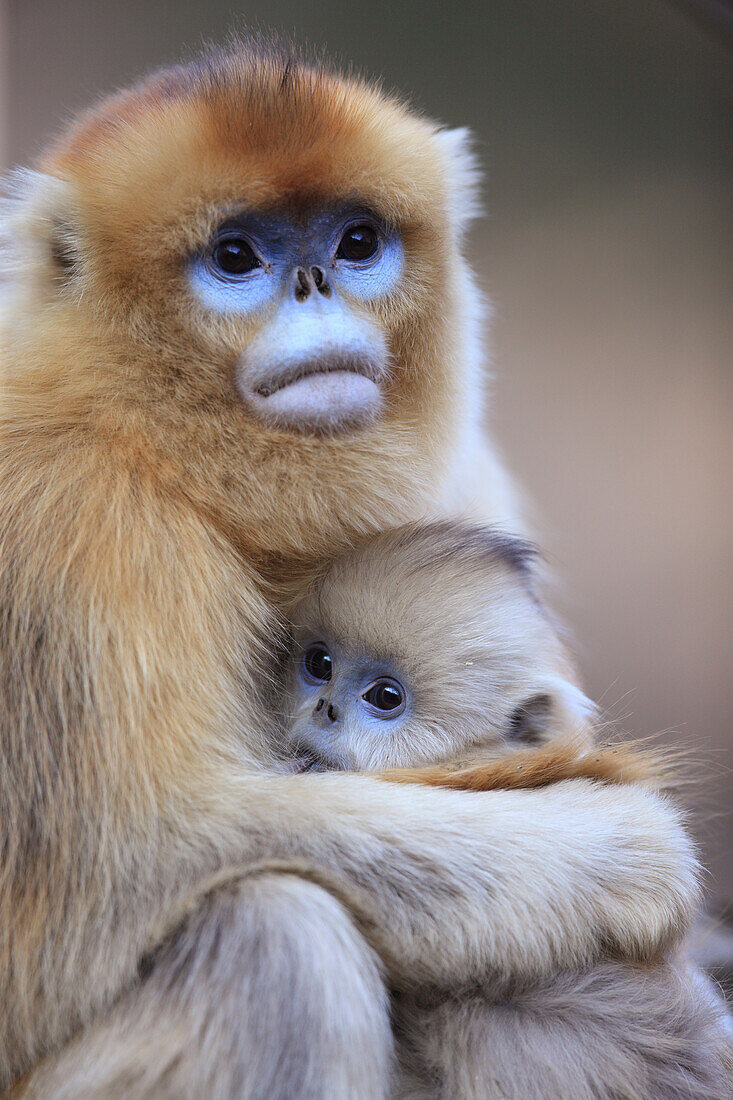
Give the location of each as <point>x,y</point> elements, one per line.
<point>448,620</point>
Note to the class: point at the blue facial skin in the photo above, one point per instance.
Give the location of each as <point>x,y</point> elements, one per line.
<point>343,691</point>
<point>282,244</point>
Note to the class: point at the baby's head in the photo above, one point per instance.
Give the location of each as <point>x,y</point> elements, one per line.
<point>424,644</point>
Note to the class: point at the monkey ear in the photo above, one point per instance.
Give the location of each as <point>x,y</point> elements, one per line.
<point>464,176</point>
<point>529,722</point>
<point>38,228</point>
<point>557,709</point>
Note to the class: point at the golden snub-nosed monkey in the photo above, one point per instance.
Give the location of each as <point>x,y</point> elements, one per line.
<point>238,332</point>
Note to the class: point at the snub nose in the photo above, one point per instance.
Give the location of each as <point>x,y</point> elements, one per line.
<point>308,281</point>
<point>331,711</point>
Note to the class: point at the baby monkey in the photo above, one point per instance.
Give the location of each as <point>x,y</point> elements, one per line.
<point>428,644</point>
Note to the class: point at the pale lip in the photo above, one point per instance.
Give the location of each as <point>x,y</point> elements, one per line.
<point>266,383</point>
<point>333,394</point>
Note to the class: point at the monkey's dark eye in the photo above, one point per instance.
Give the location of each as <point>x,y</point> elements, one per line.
<point>385,698</point>
<point>317,664</point>
<point>359,242</point>
<point>234,256</point>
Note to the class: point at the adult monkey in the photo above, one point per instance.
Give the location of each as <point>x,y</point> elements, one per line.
<point>234,339</point>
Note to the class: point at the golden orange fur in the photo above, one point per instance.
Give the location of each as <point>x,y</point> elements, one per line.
<point>551,763</point>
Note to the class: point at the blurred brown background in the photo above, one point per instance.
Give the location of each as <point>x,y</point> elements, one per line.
<point>603,128</point>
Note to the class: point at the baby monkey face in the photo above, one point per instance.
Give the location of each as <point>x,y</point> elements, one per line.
<point>345,706</point>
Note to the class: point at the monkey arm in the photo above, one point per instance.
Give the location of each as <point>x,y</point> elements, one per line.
<point>450,885</point>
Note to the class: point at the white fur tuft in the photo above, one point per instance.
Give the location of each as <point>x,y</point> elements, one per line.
<point>464,175</point>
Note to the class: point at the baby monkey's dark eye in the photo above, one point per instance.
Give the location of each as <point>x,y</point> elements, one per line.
<point>359,242</point>
<point>385,698</point>
<point>317,664</point>
<point>235,256</point>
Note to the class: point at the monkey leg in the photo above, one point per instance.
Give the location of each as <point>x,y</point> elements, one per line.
<point>267,992</point>
<point>615,1032</point>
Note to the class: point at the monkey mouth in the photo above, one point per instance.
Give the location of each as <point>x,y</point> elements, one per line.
<point>299,372</point>
<point>311,763</point>
<point>330,394</point>
<point>310,760</point>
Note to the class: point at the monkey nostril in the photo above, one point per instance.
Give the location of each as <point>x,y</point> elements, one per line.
<point>302,285</point>
<point>332,712</point>
<point>322,285</point>
<point>319,705</point>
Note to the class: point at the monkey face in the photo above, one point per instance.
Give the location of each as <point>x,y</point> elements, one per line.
<point>316,360</point>
<point>288,236</point>
<point>346,708</point>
